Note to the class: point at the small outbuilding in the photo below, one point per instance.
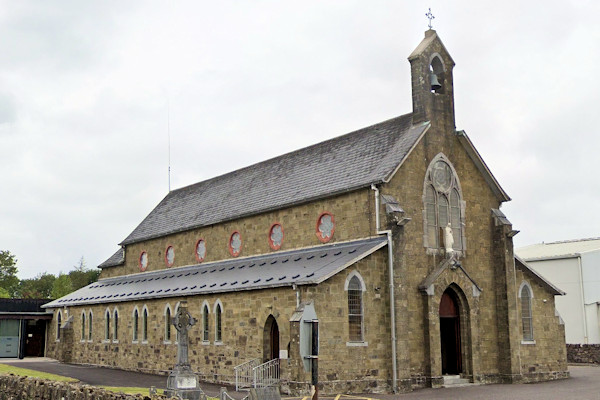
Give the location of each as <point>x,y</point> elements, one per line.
<point>23,328</point>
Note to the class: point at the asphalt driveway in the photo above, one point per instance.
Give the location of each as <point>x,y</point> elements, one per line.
<point>584,384</point>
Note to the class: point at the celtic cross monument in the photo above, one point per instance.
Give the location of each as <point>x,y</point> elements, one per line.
<point>182,381</point>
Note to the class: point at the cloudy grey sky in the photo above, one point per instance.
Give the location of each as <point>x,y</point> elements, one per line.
<point>85,89</point>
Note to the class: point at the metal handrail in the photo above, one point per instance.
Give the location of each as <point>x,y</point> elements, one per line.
<point>266,374</point>
<point>243,374</point>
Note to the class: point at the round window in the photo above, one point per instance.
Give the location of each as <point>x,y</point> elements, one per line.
<point>170,256</point>
<point>200,250</point>
<point>325,227</point>
<point>143,261</point>
<point>235,244</point>
<point>276,236</point>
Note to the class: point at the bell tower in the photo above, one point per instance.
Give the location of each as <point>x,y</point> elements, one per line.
<point>432,85</point>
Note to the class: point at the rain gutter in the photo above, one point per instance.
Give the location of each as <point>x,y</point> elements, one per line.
<point>388,233</point>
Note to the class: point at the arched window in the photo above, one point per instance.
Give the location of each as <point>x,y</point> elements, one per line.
<point>168,323</point>
<point>107,325</point>
<point>443,205</point>
<point>116,325</point>
<point>83,326</point>
<point>205,328</point>
<point>176,331</point>
<point>58,324</point>
<point>526,315</point>
<point>135,324</point>
<point>90,330</point>
<point>355,288</point>
<point>145,324</point>
<point>218,311</point>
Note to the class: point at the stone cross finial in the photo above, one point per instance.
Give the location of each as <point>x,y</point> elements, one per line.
<point>183,321</point>
<point>430,16</point>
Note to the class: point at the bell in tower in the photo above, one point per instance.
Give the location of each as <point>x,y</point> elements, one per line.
<point>432,86</point>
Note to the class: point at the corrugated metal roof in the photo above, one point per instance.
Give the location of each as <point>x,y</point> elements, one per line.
<point>339,165</point>
<point>562,249</point>
<point>301,267</point>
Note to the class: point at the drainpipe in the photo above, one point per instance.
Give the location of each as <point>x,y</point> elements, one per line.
<point>388,233</point>
<point>585,329</point>
<point>295,287</point>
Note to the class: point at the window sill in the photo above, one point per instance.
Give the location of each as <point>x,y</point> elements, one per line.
<point>106,341</point>
<point>357,344</point>
<point>144,341</point>
<point>528,342</point>
<point>82,341</point>
<point>116,341</point>
<point>134,341</point>
<point>218,343</point>
<point>166,342</point>
<point>205,342</point>
<point>89,340</point>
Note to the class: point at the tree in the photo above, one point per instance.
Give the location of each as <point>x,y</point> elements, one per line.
<point>8,272</point>
<point>4,293</point>
<point>39,287</point>
<point>62,286</point>
<point>81,276</point>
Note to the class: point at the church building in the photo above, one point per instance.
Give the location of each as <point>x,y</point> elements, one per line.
<point>388,243</point>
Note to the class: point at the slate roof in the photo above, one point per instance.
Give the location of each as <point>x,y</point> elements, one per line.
<point>116,259</point>
<point>306,266</point>
<point>348,162</point>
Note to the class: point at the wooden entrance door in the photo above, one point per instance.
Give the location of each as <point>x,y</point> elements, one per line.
<point>270,339</point>
<point>274,340</point>
<point>450,334</point>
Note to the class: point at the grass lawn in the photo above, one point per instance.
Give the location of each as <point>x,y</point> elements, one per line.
<point>9,369</point>
<point>130,390</point>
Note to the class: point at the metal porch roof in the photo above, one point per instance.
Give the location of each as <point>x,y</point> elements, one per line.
<point>300,267</point>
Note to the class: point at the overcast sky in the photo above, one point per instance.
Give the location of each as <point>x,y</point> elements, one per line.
<point>86,89</point>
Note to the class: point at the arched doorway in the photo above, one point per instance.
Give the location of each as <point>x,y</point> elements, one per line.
<point>271,339</point>
<point>450,334</point>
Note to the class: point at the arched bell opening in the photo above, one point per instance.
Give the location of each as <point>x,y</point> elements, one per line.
<point>436,77</point>
<point>270,339</point>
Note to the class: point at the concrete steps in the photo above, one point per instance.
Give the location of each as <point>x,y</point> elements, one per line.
<point>455,381</point>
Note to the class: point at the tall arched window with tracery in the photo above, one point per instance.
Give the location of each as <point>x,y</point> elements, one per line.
<point>443,205</point>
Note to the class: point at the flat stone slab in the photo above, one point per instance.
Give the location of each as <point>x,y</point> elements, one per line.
<point>266,393</point>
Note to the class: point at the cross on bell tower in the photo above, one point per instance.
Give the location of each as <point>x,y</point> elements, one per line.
<point>430,16</point>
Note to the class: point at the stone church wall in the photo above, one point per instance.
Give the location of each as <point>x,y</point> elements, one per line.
<point>352,213</point>
<point>546,357</point>
<point>362,367</point>
<point>408,186</point>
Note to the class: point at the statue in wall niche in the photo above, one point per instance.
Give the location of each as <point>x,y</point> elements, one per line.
<point>448,240</point>
<point>182,381</point>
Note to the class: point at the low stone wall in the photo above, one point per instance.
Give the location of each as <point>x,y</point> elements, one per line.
<point>583,353</point>
<point>25,388</point>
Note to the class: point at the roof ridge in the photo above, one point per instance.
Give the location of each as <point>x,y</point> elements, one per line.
<point>333,166</point>
<point>302,149</point>
<point>571,241</point>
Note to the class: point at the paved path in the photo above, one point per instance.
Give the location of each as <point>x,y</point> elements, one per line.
<point>584,384</point>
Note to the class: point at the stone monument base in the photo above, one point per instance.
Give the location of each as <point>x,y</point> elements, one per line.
<point>183,383</point>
